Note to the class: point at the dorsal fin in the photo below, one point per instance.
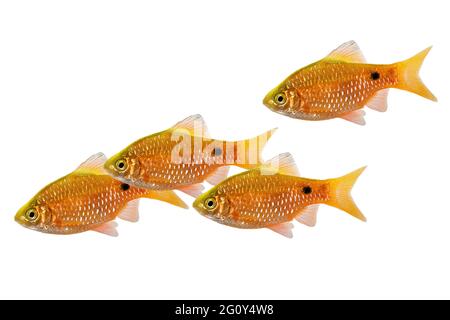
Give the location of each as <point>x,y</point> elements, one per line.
<point>193,124</point>
<point>282,164</point>
<point>347,52</point>
<point>93,165</point>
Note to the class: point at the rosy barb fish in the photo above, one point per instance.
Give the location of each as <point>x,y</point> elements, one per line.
<point>273,194</point>
<point>182,157</point>
<point>342,83</point>
<point>87,199</point>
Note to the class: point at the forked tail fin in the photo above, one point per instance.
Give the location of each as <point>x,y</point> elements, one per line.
<point>409,75</point>
<point>340,194</point>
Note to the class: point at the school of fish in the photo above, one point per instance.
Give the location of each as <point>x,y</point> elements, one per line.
<point>268,194</point>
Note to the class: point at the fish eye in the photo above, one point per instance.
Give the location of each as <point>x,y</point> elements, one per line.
<point>210,203</point>
<point>121,165</point>
<point>31,215</point>
<point>280,99</point>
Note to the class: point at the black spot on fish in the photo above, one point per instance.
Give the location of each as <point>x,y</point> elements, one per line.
<point>375,75</point>
<point>124,186</point>
<point>307,190</point>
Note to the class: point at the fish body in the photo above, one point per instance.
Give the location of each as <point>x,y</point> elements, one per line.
<point>271,197</point>
<point>341,84</point>
<point>86,199</point>
<point>182,157</point>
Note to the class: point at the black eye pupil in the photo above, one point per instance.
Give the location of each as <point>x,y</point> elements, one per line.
<point>280,99</point>
<point>121,165</point>
<point>210,203</point>
<point>307,190</point>
<point>31,214</point>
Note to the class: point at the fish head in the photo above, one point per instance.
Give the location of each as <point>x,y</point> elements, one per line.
<point>122,166</point>
<point>34,215</point>
<point>283,99</point>
<point>213,205</point>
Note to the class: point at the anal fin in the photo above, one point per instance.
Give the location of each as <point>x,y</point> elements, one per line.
<point>108,228</point>
<point>308,216</point>
<point>285,229</point>
<point>130,212</point>
<point>356,116</point>
<point>379,101</point>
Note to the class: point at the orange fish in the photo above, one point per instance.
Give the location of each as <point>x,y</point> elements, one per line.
<point>273,194</point>
<point>182,157</point>
<point>342,83</point>
<point>87,199</point>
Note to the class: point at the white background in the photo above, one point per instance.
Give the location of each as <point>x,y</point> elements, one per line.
<point>79,77</point>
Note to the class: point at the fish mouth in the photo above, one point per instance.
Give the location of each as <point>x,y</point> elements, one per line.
<point>198,205</point>
<point>268,100</point>
<point>19,219</point>
<point>109,167</point>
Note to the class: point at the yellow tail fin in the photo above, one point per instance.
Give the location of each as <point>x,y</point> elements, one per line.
<point>249,152</point>
<point>409,75</point>
<point>340,194</point>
